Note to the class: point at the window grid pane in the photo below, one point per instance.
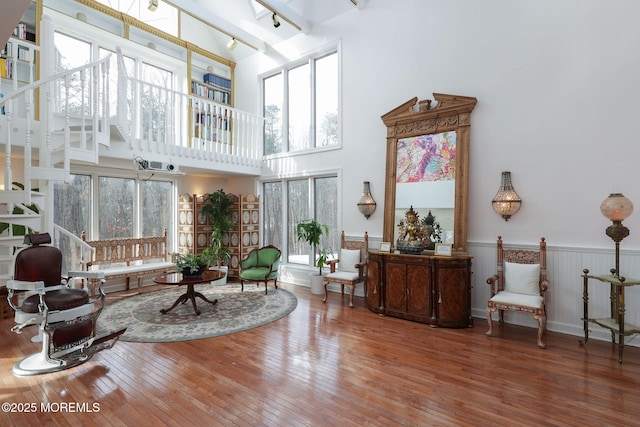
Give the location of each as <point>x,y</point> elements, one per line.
<point>272,216</point>
<point>326,196</point>
<point>115,201</point>
<point>273,94</point>
<point>299,107</point>
<point>298,210</point>
<point>156,208</point>
<point>326,101</point>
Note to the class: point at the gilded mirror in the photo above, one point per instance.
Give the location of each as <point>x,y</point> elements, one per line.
<point>427,168</point>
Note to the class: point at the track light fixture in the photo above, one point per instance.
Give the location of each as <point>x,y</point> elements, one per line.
<point>274,18</point>
<point>153,5</point>
<point>232,44</point>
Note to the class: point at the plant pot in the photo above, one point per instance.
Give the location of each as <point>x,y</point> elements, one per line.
<point>189,273</point>
<point>316,282</point>
<point>222,281</point>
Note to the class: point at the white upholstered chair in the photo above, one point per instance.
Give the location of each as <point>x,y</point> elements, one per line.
<point>520,285</point>
<point>350,266</point>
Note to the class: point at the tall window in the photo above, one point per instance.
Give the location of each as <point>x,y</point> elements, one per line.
<point>122,207</point>
<point>304,198</point>
<point>300,104</point>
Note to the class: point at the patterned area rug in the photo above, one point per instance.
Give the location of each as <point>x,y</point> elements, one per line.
<point>235,311</point>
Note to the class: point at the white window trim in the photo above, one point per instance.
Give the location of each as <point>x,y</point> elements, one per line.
<point>335,46</point>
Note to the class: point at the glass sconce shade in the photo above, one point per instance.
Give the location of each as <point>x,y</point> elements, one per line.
<point>616,207</point>
<point>506,202</point>
<point>366,205</point>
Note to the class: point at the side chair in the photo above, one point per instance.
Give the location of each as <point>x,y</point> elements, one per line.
<point>520,285</point>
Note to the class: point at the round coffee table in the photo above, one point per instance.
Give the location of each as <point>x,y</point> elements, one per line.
<point>177,279</point>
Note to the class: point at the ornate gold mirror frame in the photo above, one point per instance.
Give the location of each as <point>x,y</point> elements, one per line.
<point>452,113</point>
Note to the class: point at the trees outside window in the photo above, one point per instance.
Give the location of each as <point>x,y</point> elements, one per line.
<point>304,198</point>
<point>300,105</point>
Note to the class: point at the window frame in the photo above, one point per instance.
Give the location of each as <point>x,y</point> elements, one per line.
<point>310,58</point>
<point>310,177</point>
<point>95,175</point>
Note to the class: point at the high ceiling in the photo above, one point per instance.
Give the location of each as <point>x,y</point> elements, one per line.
<point>250,21</point>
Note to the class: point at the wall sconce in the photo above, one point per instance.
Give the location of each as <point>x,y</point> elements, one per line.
<point>232,44</point>
<point>153,5</point>
<point>366,205</point>
<point>506,202</point>
<point>616,207</point>
<point>274,18</point>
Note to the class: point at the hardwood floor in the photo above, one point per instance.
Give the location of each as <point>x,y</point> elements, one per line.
<point>327,364</point>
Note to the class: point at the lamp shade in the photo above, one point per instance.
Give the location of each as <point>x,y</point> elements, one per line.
<point>506,202</point>
<point>616,207</point>
<point>366,205</point>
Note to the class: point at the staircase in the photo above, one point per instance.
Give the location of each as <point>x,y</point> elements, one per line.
<point>64,119</point>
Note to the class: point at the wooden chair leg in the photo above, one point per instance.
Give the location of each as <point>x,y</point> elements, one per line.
<point>326,294</point>
<point>352,289</point>
<point>489,321</point>
<point>541,322</point>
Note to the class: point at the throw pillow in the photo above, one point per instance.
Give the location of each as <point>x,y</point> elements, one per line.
<point>348,259</point>
<point>522,278</point>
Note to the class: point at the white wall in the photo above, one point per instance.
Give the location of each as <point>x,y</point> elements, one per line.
<point>556,84</point>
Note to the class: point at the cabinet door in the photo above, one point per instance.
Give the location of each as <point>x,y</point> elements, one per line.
<point>372,290</point>
<point>395,287</point>
<point>454,296</point>
<point>419,290</point>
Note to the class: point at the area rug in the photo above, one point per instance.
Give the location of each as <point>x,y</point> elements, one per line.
<point>235,311</point>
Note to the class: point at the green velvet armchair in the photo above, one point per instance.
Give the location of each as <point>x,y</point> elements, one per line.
<point>261,265</point>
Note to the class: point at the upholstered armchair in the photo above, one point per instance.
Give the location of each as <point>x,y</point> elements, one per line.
<point>66,316</point>
<point>520,285</point>
<point>260,265</point>
<point>350,267</point>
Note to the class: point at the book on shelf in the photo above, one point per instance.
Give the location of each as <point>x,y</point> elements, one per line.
<point>216,80</point>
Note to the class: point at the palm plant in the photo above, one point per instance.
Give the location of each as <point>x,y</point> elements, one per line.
<point>311,231</point>
<point>218,208</point>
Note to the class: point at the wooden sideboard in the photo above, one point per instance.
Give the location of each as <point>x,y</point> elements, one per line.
<point>424,288</point>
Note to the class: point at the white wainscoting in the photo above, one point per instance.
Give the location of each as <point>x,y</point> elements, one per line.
<point>564,298</point>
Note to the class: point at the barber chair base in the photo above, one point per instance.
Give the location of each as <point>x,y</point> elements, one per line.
<point>37,364</point>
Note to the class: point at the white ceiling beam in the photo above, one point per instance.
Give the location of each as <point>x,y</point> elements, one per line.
<point>222,25</point>
<point>287,14</point>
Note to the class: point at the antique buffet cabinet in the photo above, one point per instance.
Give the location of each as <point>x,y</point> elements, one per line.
<point>430,145</point>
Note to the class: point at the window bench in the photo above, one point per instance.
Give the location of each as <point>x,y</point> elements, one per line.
<point>129,257</point>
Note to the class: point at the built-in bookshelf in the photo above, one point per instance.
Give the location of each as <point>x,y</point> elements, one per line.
<point>18,55</point>
<point>220,91</point>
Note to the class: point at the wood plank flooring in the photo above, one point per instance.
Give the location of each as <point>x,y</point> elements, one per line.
<point>326,365</point>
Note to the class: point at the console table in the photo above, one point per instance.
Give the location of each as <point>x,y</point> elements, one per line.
<point>430,289</point>
<point>615,323</point>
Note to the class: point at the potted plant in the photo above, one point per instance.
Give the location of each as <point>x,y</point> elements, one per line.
<point>193,265</point>
<point>218,208</point>
<point>311,231</point>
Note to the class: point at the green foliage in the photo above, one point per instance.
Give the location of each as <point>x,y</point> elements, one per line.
<point>311,231</point>
<point>191,262</point>
<point>218,208</point>
<point>19,230</point>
